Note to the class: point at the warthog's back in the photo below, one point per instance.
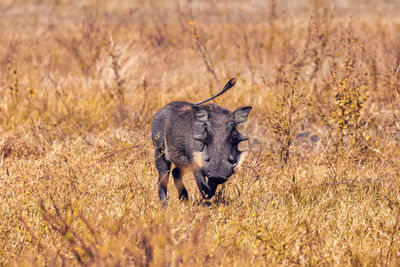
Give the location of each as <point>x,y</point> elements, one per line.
<point>173,129</point>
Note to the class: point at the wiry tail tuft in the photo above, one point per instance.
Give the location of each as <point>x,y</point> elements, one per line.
<point>227,86</point>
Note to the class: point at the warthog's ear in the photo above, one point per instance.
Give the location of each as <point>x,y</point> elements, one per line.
<point>200,113</point>
<point>240,115</point>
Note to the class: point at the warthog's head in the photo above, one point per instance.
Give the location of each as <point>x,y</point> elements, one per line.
<point>216,136</point>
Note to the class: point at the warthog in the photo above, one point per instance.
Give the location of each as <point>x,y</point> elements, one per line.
<point>201,138</point>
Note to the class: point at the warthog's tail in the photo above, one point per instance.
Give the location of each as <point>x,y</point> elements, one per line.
<point>227,86</point>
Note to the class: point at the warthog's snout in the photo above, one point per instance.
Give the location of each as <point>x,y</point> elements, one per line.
<point>199,138</point>
<point>218,179</point>
<point>223,170</point>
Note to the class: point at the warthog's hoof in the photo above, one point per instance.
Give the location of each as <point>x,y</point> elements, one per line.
<point>206,203</point>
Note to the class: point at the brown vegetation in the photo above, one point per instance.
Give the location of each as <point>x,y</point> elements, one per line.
<point>81,80</point>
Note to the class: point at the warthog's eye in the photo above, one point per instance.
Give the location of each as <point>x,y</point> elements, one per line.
<point>234,134</point>
<point>231,126</point>
<point>235,137</point>
<point>203,135</point>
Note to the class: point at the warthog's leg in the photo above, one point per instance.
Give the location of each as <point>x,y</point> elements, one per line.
<point>213,187</point>
<point>177,174</point>
<point>202,184</point>
<point>163,167</point>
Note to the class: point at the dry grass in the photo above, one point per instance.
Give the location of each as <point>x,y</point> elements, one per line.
<point>81,80</point>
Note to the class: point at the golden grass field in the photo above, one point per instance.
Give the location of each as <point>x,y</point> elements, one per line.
<point>81,80</point>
